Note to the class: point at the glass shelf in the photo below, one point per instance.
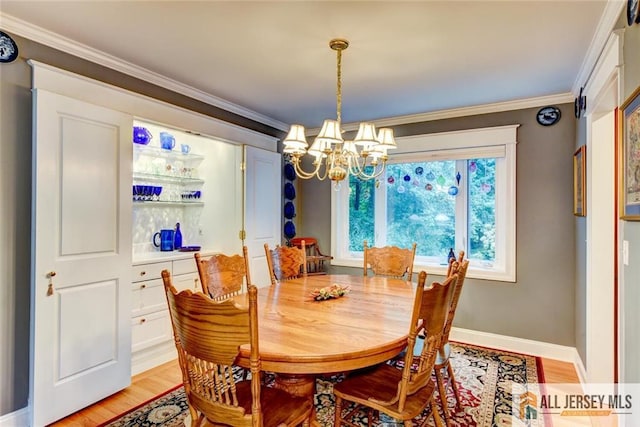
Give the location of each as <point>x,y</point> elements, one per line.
<point>150,203</point>
<point>169,179</point>
<point>158,152</point>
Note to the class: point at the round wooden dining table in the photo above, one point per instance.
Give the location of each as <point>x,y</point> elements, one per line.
<point>300,337</point>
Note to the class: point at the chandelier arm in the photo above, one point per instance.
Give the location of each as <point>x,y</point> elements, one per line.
<point>355,168</point>
<point>308,175</point>
<point>358,170</point>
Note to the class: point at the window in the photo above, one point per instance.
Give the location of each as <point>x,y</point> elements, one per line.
<point>447,190</point>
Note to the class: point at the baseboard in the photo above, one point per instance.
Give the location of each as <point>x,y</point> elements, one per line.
<point>19,418</point>
<point>151,357</point>
<point>518,345</point>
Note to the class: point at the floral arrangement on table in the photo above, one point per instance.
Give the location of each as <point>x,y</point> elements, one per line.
<point>333,291</point>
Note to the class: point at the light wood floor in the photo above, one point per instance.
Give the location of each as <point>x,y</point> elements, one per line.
<point>151,383</point>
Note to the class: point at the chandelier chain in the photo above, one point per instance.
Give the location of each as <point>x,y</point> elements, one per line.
<point>339,88</point>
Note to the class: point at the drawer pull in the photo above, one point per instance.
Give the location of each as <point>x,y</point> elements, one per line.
<point>143,320</point>
<point>143,286</point>
<point>142,273</point>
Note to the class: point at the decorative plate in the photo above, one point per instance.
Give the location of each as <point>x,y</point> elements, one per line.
<point>632,11</point>
<point>289,172</point>
<point>8,48</point>
<point>330,292</point>
<point>548,116</point>
<point>289,210</point>
<point>289,230</point>
<point>289,191</point>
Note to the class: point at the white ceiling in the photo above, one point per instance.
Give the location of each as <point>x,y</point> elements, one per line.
<point>273,58</point>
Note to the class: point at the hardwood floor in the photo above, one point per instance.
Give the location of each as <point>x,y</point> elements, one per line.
<point>144,387</point>
<point>556,371</point>
<point>151,383</point>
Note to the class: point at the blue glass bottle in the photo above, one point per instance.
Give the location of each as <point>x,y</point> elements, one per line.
<point>177,239</point>
<point>451,255</point>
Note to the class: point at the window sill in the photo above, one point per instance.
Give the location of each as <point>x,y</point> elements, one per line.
<point>439,270</point>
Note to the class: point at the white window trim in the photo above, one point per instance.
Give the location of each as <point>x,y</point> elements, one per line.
<point>502,138</point>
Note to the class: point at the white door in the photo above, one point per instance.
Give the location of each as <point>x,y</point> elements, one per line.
<point>81,227</point>
<point>263,208</point>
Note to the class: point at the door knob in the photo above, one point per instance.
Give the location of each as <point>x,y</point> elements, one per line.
<point>50,276</point>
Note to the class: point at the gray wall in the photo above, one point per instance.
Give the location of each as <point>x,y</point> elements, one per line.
<point>629,278</point>
<point>539,306</point>
<point>15,225</point>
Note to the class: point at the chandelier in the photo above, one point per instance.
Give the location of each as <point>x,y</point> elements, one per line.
<point>365,157</point>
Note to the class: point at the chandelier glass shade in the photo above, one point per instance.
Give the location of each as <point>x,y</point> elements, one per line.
<point>364,157</point>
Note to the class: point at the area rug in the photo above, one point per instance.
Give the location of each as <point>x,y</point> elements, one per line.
<point>485,379</point>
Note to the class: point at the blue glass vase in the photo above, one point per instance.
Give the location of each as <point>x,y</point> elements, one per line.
<point>177,238</point>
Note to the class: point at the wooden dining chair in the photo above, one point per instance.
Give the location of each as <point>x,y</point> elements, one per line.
<point>286,262</point>
<point>208,335</point>
<point>442,365</point>
<point>405,393</point>
<point>389,261</point>
<point>443,361</point>
<point>223,276</point>
<point>315,257</point>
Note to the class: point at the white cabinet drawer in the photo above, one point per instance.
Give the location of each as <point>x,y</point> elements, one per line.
<point>151,329</point>
<point>183,266</point>
<point>187,281</point>
<point>149,271</point>
<point>147,296</point>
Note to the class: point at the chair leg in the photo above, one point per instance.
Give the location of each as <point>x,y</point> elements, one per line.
<point>436,416</point>
<point>443,396</point>
<point>338,414</point>
<point>196,420</point>
<point>454,385</point>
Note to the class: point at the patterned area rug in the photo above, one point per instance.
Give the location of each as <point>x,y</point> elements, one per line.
<point>485,378</point>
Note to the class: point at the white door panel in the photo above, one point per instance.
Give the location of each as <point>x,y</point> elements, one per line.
<point>263,209</point>
<point>81,332</point>
<point>88,191</point>
<point>80,349</point>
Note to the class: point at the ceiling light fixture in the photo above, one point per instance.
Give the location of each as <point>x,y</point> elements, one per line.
<point>339,157</point>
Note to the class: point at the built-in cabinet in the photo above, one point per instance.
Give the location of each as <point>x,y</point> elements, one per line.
<point>151,333</point>
<point>197,184</point>
<point>202,190</point>
<point>98,309</point>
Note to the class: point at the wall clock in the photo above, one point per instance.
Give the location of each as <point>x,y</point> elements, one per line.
<point>548,116</point>
<point>8,48</point>
<point>632,11</point>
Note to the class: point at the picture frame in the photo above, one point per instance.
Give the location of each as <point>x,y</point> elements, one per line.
<point>580,181</point>
<point>629,158</point>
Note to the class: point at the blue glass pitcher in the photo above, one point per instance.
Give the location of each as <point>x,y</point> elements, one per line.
<point>167,141</point>
<point>166,240</point>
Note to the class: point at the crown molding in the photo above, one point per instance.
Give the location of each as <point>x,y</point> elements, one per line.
<point>608,20</point>
<point>56,41</point>
<point>461,112</point>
